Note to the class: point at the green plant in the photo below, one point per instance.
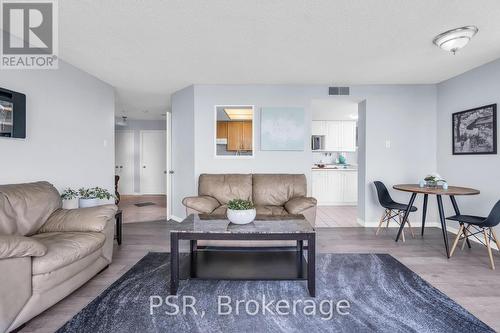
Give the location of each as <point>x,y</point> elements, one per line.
<point>240,204</point>
<point>69,194</point>
<point>94,193</point>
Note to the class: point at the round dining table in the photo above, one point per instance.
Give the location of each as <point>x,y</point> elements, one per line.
<point>451,191</point>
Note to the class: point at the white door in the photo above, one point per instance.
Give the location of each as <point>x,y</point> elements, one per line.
<point>320,186</point>
<point>335,187</point>
<point>333,136</point>
<point>124,161</point>
<point>348,136</point>
<point>169,165</point>
<point>153,162</point>
<point>350,187</point>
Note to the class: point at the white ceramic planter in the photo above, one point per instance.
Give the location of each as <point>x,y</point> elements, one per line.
<point>241,216</point>
<point>83,203</point>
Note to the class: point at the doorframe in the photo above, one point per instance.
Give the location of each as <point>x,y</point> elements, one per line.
<point>141,159</point>
<point>133,160</point>
<point>168,189</point>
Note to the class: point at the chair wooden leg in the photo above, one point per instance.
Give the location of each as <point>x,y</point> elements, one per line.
<point>487,241</point>
<point>382,219</point>
<point>457,239</point>
<point>466,230</point>
<point>411,230</point>
<point>497,241</point>
<point>389,213</point>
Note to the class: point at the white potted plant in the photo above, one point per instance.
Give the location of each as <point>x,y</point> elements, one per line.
<point>87,197</point>
<point>90,197</point>
<point>240,211</point>
<point>70,197</point>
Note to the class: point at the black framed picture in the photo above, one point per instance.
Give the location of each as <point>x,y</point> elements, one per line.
<point>475,131</point>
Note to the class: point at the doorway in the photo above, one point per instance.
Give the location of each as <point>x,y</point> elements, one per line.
<point>141,158</point>
<point>335,173</point>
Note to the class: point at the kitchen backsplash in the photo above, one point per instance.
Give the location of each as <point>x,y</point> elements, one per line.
<point>331,157</point>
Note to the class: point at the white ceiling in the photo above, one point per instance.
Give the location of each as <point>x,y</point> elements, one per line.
<point>148,49</point>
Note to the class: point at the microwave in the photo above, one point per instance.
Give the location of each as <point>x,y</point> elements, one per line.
<point>318,142</point>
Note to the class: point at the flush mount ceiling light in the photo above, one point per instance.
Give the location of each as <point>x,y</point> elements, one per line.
<point>455,39</point>
<point>239,114</point>
<point>122,122</point>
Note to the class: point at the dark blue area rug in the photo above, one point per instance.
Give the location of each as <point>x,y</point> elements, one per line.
<point>383,294</point>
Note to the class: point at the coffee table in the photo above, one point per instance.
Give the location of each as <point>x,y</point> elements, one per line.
<point>244,263</point>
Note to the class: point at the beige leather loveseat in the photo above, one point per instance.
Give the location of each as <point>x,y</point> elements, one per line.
<point>47,252</point>
<point>272,194</point>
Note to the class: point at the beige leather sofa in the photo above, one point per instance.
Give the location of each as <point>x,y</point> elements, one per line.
<point>272,194</point>
<point>47,252</point>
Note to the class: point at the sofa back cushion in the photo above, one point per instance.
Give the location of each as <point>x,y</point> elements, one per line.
<point>226,187</point>
<point>277,189</point>
<point>24,208</point>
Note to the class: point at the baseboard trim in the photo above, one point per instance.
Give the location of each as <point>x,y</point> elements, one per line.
<point>176,218</point>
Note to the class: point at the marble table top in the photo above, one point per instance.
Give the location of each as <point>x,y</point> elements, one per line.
<point>195,223</point>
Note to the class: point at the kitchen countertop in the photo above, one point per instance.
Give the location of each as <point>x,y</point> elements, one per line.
<point>336,167</point>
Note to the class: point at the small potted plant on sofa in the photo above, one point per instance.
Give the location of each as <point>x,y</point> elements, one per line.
<point>240,211</point>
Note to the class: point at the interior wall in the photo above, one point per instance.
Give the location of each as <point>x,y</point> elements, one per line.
<point>70,129</point>
<point>183,149</point>
<point>402,114</point>
<point>478,87</point>
<point>138,125</point>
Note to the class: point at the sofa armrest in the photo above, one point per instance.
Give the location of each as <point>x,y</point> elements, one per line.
<point>91,219</point>
<point>13,246</point>
<point>203,204</point>
<point>298,205</point>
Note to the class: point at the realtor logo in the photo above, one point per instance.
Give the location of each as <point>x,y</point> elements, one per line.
<point>29,34</point>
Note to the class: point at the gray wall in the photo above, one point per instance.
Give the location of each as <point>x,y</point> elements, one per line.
<point>138,125</point>
<point>478,87</point>
<point>70,129</point>
<point>403,114</point>
<point>183,149</point>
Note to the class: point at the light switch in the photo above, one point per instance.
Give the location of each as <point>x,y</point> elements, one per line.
<point>387,143</point>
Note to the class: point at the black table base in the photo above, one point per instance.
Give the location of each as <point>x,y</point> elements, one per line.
<point>243,263</point>
<point>442,217</point>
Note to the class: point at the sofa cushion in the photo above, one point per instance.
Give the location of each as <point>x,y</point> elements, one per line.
<point>13,246</point>
<point>64,248</point>
<point>277,189</point>
<point>24,208</point>
<point>203,204</point>
<point>300,204</point>
<point>225,187</point>
<point>271,210</point>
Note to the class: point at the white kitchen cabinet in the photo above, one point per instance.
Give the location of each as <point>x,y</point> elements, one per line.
<point>340,135</point>
<point>333,135</point>
<point>335,187</point>
<point>350,187</point>
<point>348,136</point>
<point>318,127</point>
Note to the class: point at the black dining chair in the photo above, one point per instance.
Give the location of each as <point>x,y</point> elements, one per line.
<point>479,225</point>
<point>392,209</point>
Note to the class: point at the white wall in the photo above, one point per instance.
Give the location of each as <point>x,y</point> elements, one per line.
<point>183,149</point>
<point>69,128</point>
<point>478,87</point>
<point>403,114</point>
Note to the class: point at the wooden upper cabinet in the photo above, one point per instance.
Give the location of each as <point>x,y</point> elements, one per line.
<point>239,135</point>
<point>234,135</point>
<point>222,130</point>
<point>247,136</point>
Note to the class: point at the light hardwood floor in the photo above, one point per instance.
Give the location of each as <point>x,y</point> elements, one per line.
<point>466,277</point>
<point>133,213</point>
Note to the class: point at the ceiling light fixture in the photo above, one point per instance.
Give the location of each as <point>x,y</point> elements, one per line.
<point>455,39</point>
<point>239,114</point>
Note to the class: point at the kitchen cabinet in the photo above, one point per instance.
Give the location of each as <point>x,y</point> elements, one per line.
<point>318,127</point>
<point>335,187</point>
<point>340,135</point>
<point>239,135</point>
<point>222,130</point>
